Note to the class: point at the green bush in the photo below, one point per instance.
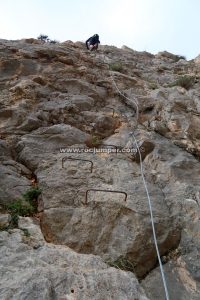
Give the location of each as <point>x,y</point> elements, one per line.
<point>32,194</point>
<point>25,206</point>
<point>14,221</point>
<point>21,207</point>
<point>115,67</point>
<point>53,42</point>
<point>178,57</point>
<point>43,37</point>
<point>185,81</point>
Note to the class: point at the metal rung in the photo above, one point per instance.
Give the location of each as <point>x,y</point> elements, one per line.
<point>106,191</point>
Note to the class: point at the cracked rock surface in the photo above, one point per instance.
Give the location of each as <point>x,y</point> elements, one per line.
<point>92,235</point>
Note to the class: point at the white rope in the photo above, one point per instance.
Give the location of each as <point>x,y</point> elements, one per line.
<point>134,101</point>
<point>146,189</point>
<point>152,220</point>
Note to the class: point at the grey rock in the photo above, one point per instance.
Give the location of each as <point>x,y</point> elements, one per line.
<point>12,187</point>
<point>107,225</point>
<point>43,142</point>
<point>4,150</point>
<point>30,124</point>
<point>4,220</point>
<point>12,181</point>
<point>57,272</point>
<point>61,93</point>
<point>181,280</point>
<point>82,102</point>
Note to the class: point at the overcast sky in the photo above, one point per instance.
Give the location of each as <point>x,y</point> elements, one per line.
<point>150,25</point>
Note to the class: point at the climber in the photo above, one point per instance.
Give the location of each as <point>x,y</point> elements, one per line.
<point>92,42</point>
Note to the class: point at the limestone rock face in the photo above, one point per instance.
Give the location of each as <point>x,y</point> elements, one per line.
<point>197,59</point>
<point>14,177</point>
<point>13,182</point>
<point>103,223</point>
<point>68,124</point>
<point>45,271</point>
<point>47,140</point>
<point>182,267</point>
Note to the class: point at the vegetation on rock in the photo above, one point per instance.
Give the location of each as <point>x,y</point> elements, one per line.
<point>185,81</point>
<point>24,206</point>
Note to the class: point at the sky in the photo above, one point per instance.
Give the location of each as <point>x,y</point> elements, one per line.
<point>143,25</point>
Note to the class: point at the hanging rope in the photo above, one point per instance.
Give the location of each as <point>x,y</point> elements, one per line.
<point>145,185</point>
<point>152,219</point>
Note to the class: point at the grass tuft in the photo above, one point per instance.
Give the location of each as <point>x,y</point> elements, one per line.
<point>116,67</point>
<point>185,81</point>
